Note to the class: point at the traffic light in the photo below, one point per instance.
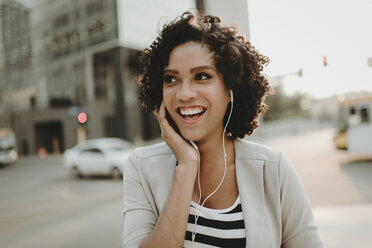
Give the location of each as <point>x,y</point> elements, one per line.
<point>83,120</point>
<point>325,61</point>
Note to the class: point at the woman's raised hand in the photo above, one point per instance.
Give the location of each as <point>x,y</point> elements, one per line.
<point>185,153</point>
<point>170,228</point>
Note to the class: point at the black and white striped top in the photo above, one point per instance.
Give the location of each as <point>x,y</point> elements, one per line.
<point>216,227</point>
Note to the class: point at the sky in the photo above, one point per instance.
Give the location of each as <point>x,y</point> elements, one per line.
<point>296,34</point>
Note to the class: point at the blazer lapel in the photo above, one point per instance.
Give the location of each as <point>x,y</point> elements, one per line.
<point>160,178</point>
<point>249,174</point>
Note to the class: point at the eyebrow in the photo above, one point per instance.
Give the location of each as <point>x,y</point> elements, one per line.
<point>203,67</point>
<point>198,68</point>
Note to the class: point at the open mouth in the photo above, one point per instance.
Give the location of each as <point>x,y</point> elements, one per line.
<point>191,113</point>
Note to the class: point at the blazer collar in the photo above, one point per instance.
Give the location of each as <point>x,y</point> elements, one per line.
<point>249,174</point>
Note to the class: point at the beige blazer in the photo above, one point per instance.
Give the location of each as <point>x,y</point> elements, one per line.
<point>276,210</point>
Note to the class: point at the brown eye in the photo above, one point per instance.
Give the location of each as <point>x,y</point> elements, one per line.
<point>202,76</point>
<point>168,79</point>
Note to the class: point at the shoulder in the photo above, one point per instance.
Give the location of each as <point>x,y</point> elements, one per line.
<point>152,167</point>
<point>245,149</point>
<point>159,149</point>
<point>158,155</point>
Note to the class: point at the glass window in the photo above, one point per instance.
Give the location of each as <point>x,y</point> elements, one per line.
<point>364,113</point>
<point>93,150</point>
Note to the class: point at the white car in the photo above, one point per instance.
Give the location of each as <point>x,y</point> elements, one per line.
<point>105,156</point>
<point>8,146</point>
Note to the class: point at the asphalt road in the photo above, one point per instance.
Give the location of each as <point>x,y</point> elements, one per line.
<point>42,206</point>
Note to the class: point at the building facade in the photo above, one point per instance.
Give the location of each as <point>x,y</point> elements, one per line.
<point>84,59</point>
<point>15,58</point>
<point>82,62</point>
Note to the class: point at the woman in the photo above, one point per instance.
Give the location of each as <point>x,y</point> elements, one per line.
<point>205,185</point>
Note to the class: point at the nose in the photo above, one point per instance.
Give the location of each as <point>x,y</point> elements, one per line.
<point>185,92</point>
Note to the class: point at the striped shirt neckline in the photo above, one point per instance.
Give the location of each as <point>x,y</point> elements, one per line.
<point>213,210</point>
<point>216,227</point>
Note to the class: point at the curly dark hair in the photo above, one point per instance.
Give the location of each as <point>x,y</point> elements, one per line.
<point>236,59</point>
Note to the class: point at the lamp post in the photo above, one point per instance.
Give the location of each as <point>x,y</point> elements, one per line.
<point>278,79</point>
<point>297,73</point>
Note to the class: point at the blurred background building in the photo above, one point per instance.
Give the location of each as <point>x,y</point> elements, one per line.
<point>62,58</point>
<point>15,57</point>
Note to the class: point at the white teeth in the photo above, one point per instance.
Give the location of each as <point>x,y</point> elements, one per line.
<point>191,111</point>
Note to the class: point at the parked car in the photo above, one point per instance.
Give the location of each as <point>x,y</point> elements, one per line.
<point>105,156</point>
<point>8,146</point>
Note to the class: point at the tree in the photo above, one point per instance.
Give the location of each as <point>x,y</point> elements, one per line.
<point>281,105</point>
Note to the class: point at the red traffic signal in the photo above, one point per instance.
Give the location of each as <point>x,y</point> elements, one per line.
<point>82,117</point>
<point>325,60</point>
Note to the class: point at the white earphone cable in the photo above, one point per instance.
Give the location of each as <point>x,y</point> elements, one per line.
<point>193,235</point>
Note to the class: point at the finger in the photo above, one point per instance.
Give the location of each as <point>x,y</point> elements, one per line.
<point>161,114</point>
<point>162,119</point>
<point>156,112</point>
<point>161,111</point>
<point>157,109</point>
<point>168,132</point>
<point>173,139</point>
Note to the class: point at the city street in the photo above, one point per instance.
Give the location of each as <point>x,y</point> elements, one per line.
<point>42,206</point>
<point>73,71</point>
<point>338,185</point>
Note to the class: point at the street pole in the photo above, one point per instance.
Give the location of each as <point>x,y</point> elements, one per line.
<point>297,73</point>
<point>279,78</point>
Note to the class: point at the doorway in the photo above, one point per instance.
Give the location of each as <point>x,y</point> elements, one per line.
<point>49,136</point>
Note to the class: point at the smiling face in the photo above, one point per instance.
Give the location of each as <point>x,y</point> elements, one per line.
<point>194,93</point>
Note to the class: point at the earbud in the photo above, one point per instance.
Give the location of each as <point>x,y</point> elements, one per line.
<point>231,95</point>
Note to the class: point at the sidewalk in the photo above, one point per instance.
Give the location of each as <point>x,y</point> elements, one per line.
<point>345,226</point>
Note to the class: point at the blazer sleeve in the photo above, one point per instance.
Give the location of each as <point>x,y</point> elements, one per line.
<point>139,217</point>
<point>298,228</point>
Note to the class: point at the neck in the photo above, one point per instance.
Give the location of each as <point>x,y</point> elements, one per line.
<point>211,151</point>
